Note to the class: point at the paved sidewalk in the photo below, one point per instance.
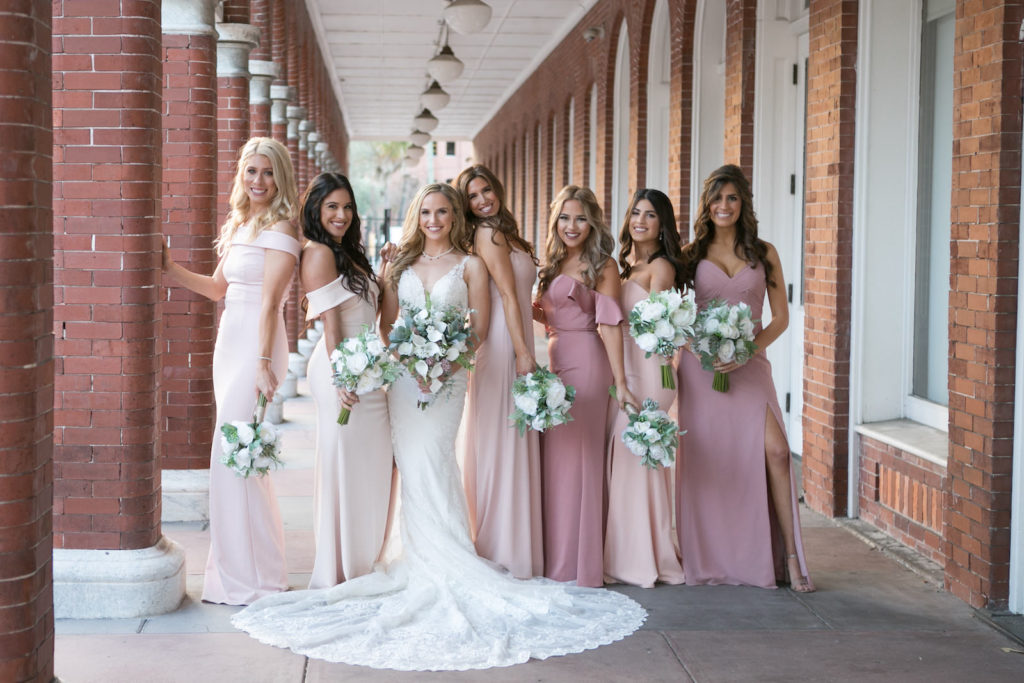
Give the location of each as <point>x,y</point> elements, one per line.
<point>871,620</point>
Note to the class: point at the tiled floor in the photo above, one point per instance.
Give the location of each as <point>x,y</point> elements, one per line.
<point>871,620</point>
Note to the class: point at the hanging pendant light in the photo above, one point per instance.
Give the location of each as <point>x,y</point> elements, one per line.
<point>467,16</point>
<point>414,152</point>
<point>445,67</point>
<point>435,97</point>
<point>425,121</point>
<point>409,161</point>
<point>418,137</point>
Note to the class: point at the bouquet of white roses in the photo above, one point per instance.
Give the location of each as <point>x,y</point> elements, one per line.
<point>429,342</point>
<point>660,324</point>
<point>362,364</point>
<point>652,435</point>
<point>541,401</point>
<point>250,447</point>
<point>723,332</point>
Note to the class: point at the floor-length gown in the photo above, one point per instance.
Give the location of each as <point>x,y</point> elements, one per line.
<point>246,559</point>
<point>501,468</point>
<point>438,606</point>
<point>352,480</point>
<point>573,454</point>
<point>727,529</point>
<point>640,546</point>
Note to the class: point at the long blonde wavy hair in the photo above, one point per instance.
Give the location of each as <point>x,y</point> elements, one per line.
<point>597,249</point>
<point>410,246</point>
<point>282,205</point>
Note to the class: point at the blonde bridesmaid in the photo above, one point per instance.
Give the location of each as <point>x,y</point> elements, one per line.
<point>501,469</point>
<point>352,483</point>
<point>258,249</point>
<point>639,545</point>
<point>578,302</point>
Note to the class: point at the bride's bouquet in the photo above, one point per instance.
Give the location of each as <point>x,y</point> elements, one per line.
<point>652,435</point>
<point>250,447</point>
<point>429,342</point>
<point>541,401</point>
<point>660,324</point>
<point>362,364</point>
<point>723,332</point>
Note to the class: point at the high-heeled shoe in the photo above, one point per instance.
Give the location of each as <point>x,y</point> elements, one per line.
<point>803,584</point>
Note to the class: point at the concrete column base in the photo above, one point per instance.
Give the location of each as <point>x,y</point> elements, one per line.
<point>186,495</point>
<point>118,584</point>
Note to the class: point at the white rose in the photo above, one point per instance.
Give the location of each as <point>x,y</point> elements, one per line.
<point>356,363</point>
<point>433,350</point>
<point>225,445</point>
<point>375,346</point>
<point>673,298</point>
<point>653,311</point>
<point>421,368</point>
<point>747,328</point>
<point>245,433</point>
<point>659,453</point>
<point>726,351</point>
<point>526,403</point>
<point>352,344</point>
<point>255,449</point>
<point>683,317</point>
<point>366,384</point>
<point>267,433</point>
<point>734,315</point>
<point>704,345</point>
<point>421,315</point>
<point>663,330</point>
<point>243,458</point>
<point>263,462</point>
<point>729,331</point>
<point>405,349</point>
<point>538,424</point>
<point>711,325</point>
<point>647,341</point>
<point>556,396</point>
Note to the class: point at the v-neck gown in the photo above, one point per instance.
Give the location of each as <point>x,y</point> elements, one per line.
<point>727,529</point>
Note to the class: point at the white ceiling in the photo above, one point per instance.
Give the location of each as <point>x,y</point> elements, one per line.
<point>379,51</point>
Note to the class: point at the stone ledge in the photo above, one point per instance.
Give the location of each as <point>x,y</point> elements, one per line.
<point>186,495</point>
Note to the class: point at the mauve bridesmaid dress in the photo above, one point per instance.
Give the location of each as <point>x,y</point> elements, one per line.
<point>727,528</point>
<point>501,469</point>
<point>573,454</point>
<point>354,463</point>
<point>246,559</point>
<point>639,544</point>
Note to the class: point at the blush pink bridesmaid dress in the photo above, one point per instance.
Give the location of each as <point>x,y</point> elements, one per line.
<point>573,454</point>
<point>727,528</point>
<point>246,559</point>
<point>354,463</point>
<point>501,469</point>
<point>639,544</point>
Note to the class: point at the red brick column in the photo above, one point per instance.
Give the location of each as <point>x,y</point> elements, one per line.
<point>107,157</point>
<point>983,303</point>
<point>831,88</point>
<point>740,29</point>
<point>261,74</point>
<point>26,345</point>
<point>280,97</point>
<point>293,321</point>
<point>189,225</point>
<point>682,16</point>
<point>233,47</point>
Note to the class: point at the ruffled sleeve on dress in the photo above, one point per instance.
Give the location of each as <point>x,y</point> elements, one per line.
<point>606,309</point>
<point>269,239</point>
<point>327,297</point>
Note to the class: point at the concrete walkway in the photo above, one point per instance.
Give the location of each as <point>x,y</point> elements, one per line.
<point>871,620</point>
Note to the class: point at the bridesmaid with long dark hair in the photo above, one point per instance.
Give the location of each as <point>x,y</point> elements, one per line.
<point>736,503</point>
<point>578,302</point>
<point>353,474</point>
<point>501,468</point>
<point>639,545</point>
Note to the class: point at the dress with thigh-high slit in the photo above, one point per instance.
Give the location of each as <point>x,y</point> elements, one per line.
<point>728,532</point>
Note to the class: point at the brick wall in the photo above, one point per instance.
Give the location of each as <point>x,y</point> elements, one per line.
<point>740,29</point>
<point>983,303</point>
<point>828,231</point>
<point>682,16</point>
<point>107,166</point>
<point>26,345</point>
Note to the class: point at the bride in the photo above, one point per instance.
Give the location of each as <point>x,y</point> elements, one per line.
<point>438,606</point>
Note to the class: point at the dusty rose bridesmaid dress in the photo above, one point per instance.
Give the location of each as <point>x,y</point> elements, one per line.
<point>501,469</point>
<point>246,559</point>
<point>639,544</point>
<point>352,476</point>
<point>727,528</point>
<point>573,454</point>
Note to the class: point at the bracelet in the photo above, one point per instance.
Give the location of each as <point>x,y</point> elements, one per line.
<point>265,358</point>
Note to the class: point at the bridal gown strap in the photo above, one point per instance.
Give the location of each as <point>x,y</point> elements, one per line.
<point>438,606</point>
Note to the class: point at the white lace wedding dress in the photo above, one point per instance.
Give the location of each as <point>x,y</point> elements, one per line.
<point>438,606</point>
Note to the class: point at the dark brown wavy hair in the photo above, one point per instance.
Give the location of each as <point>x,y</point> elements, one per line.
<point>753,248</point>
<point>668,234</point>
<point>503,222</point>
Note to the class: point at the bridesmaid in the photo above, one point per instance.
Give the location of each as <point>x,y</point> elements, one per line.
<point>501,468</point>
<point>352,485</point>
<point>258,249</point>
<point>639,544</point>
<point>578,303</point>
<point>736,514</point>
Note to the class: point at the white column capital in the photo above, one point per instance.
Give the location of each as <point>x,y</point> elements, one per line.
<point>312,140</point>
<point>234,43</point>
<point>188,17</point>
<point>305,126</point>
<point>280,96</point>
<point>262,73</point>
<point>294,114</point>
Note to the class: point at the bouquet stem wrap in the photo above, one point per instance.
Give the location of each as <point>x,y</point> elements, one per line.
<point>720,382</point>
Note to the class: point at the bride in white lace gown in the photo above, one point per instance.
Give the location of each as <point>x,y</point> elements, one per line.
<point>438,606</point>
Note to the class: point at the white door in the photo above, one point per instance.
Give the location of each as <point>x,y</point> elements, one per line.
<point>794,265</point>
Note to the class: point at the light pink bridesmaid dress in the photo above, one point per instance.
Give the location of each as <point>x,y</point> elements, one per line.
<point>352,476</point>
<point>639,544</point>
<point>501,469</point>
<point>246,559</point>
<point>724,516</point>
<point>573,454</point>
